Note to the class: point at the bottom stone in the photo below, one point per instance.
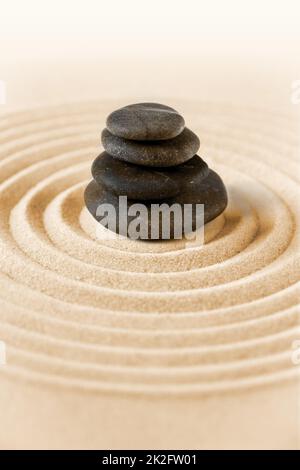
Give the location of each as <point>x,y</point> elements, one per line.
<point>157,220</point>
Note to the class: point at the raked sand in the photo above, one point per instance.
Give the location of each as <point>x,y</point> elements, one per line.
<point>122,344</point>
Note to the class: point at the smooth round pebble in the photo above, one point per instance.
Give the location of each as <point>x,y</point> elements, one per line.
<point>162,153</point>
<point>126,179</point>
<point>145,121</point>
<point>211,192</point>
<point>147,183</point>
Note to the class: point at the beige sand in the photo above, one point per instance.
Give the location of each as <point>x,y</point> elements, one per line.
<point>135,345</point>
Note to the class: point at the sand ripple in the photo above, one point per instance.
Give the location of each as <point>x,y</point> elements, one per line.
<point>139,317</point>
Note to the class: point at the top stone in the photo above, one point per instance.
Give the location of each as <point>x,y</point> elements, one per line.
<point>145,121</point>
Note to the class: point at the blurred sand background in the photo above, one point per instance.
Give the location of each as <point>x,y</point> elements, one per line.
<point>234,52</point>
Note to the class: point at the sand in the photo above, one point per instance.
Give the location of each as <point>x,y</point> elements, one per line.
<point>122,344</point>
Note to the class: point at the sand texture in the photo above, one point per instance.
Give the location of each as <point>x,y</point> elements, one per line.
<point>122,344</point>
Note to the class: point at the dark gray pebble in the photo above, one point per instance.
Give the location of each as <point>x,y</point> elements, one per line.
<point>211,192</point>
<point>144,183</point>
<point>162,153</point>
<point>145,121</point>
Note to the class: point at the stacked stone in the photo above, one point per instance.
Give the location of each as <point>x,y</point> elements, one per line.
<point>150,157</point>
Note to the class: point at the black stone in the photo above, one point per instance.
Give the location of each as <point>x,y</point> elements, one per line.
<point>211,192</point>
<point>160,153</point>
<point>145,121</point>
<point>145,183</point>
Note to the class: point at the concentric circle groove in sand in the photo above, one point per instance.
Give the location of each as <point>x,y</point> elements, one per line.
<point>132,317</point>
